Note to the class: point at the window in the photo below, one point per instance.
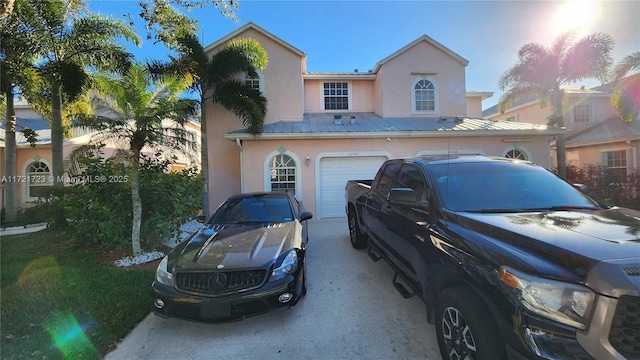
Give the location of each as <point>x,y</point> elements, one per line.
<point>516,154</point>
<point>282,170</point>
<point>384,178</point>
<point>336,96</point>
<point>513,118</point>
<point>411,177</point>
<point>256,82</point>
<point>38,183</point>
<point>582,113</point>
<point>616,164</point>
<point>424,96</point>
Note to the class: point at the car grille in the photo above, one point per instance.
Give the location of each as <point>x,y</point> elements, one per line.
<point>218,282</point>
<point>625,328</point>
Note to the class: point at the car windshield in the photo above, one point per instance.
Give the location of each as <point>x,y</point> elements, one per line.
<point>252,210</point>
<point>505,187</point>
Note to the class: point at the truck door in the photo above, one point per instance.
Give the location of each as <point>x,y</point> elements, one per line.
<point>407,223</point>
<point>375,209</point>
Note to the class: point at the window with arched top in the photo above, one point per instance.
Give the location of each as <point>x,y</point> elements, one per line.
<point>516,154</point>
<point>283,173</point>
<point>256,81</point>
<point>424,96</point>
<point>38,181</point>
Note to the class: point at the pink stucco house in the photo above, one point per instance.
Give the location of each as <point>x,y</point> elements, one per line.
<point>323,128</point>
<point>595,132</point>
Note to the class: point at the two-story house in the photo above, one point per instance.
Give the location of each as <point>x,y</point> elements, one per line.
<point>323,128</point>
<point>596,135</point>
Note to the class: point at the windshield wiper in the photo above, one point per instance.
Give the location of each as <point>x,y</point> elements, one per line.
<point>574,207</point>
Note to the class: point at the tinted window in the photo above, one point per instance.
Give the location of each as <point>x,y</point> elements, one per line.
<point>411,177</point>
<point>385,177</point>
<point>250,209</point>
<point>503,185</point>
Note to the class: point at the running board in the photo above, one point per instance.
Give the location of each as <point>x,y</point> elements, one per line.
<point>401,288</point>
<point>373,254</point>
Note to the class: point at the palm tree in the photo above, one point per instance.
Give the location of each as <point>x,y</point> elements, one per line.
<point>542,70</point>
<point>626,91</point>
<point>16,71</point>
<point>69,45</point>
<point>137,105</point>
<point>217,79</point>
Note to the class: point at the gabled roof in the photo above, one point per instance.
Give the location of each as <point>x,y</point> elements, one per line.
<point>371,125</point>
<point>429,40</point>
<point>608,131</point>
<point>251,25</point>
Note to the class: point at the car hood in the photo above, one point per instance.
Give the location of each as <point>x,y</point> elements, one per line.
<point>235,246</point>
<point>576,240</point>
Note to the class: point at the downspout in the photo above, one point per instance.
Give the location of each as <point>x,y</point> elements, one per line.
<point>239,143</point>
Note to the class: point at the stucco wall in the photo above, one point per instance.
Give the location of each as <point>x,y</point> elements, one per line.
<point>362,95</point>
<point>395,79</point>
<point>256,153</point>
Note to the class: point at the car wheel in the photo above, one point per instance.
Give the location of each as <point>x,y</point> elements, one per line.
<point>465,327</point>
<point>358,239</point>
<point>303,292</point>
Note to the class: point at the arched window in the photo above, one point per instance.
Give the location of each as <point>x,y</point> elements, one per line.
<point>256,82</point>
<point>282,173</point>
<point>38,182</point>
<point>424,96</point>
<point>516,154</point>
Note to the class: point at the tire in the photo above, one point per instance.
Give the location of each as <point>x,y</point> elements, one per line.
<point>465,327</point>
<point>303,292</point>
<point>358,239</point>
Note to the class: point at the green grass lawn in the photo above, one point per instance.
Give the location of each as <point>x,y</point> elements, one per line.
<point>58,302</point>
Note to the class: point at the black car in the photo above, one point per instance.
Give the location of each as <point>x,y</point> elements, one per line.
<point>248,259</point>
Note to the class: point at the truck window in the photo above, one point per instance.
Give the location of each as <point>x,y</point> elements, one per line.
<point>411,177</point>
<point>384,178</point>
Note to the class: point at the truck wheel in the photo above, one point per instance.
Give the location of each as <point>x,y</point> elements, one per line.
<point>358,239</point>
<point>465,327</point>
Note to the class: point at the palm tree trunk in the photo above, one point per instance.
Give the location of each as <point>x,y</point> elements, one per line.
<point>204,158</point>
<point>11,186</point>
<point>57,136</point>
<point>136,202</point>
<point>561,152</point>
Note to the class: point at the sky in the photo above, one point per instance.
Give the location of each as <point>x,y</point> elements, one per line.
<point>349,35</point>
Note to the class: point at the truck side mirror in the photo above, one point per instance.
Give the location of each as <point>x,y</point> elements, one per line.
<point>402,195</point>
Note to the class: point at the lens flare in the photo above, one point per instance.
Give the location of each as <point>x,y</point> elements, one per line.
<point>69,337</point>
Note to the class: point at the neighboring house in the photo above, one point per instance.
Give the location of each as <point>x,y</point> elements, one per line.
<point>35,162</point>
<point>323,128</point>
<point>596,135</point>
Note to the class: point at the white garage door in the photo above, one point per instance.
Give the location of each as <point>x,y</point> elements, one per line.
<point>334,173</point>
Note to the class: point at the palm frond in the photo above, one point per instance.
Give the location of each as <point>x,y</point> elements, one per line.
<point>245,102</point>
<point>589,57</point>
<point>627,64</point>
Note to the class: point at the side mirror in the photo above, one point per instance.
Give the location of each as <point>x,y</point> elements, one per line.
<point>201,219</point>
<point>305,216</point>
<point>581,187</point>
<point>402,195</point>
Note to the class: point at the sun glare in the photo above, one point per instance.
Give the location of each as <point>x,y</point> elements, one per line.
<point>576,14</point>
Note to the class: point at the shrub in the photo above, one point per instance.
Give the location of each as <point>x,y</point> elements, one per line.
<point>99,209</point>
<point>606,189</point>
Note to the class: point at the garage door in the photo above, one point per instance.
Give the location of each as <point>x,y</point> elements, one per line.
<point>334,173</point>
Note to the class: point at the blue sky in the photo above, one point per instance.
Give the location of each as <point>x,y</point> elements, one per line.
<point>348,35</point>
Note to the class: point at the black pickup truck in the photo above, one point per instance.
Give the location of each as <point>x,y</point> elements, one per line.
<point>510,260</point>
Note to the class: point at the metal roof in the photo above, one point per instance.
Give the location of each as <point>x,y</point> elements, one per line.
<point>369,125</point>
<point>610,130</point>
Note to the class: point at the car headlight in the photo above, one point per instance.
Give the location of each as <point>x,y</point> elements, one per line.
<point>162,275</point>
<point>566,303</point>
<point>288,266</point>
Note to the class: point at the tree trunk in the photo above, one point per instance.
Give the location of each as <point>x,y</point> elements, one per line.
<point>57,136</point>
<point>11,186</point>
<point>136,202</point>
<point>561,152</point>
<point>204,158</point>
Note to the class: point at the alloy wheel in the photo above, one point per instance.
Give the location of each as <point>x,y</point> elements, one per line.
<point>457,335</point>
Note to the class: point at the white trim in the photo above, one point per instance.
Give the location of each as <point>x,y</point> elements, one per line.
<point>267,175</point>
<point>261,83</point>
<point>516,118</point>
<point>572,113</point>
<point>436,97</point>
<point>338,77</point>
<point>342,154</point>
<point>251,25</point>
<point>349,95</point>
<point>25,184</point>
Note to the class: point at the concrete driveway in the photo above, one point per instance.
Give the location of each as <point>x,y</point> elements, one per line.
<point>351,311</point>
